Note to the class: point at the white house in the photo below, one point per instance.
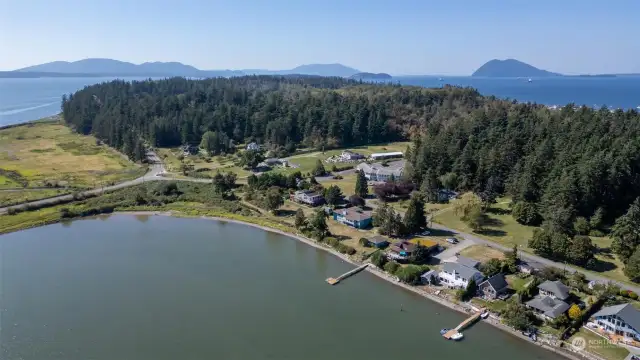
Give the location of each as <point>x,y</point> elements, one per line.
<point>253,146</point>
<point>377,172</point>
<point>622,320</point>
<point>350,156</point>
<point>458,274</point>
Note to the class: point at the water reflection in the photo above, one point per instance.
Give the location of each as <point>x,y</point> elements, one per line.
<point>142,218</point>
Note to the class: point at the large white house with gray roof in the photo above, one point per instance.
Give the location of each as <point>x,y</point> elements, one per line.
<point>377,172</point>
<point>622,320</point>
<point>458,274</point>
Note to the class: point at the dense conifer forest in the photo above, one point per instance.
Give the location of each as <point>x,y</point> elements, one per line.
<point>558,165</point>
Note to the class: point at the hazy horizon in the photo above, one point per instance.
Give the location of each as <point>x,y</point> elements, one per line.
<point>406,37</point>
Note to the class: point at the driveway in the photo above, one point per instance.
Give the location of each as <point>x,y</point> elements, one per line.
<point>453,250</point>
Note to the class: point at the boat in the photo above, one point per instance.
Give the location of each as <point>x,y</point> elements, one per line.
<point>457,336</point>
<point>485,314</point>
<point>530,80</point>
<point>443,331</point>
<point>440,79</point>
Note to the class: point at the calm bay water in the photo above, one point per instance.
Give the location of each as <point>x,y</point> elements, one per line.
<point>23,100</point>
<point>161,288</point>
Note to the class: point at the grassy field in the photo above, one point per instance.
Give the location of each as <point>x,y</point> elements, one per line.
<point>34,154</point>
<point>304,162</point>
<point>347,184</point>
<point>16,197</point>
<point>598,345</point>
<point>172,160</point>
<point>481,253</point>
<point>502,228</point>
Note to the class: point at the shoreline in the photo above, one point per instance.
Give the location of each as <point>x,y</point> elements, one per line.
<point>371,269</point>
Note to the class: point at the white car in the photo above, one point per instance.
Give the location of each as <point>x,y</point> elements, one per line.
<point>425,233</point>
<point>452,240</point>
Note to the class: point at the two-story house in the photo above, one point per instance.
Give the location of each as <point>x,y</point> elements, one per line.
<point>457,274</point>
<point>494,287</point>
<point>308,197</point>
<point>353,216</point>
<point>550,301</point>
<point>622,320</point>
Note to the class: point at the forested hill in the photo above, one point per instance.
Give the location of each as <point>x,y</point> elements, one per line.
<point>278,111</point>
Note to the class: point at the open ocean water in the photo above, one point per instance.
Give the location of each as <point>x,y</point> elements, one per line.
<point>23,100</point>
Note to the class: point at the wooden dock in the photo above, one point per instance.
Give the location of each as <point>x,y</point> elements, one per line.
<point>470,320</point>
<point>333,281</point>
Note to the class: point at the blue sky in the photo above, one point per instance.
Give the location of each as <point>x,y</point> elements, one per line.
<point>451,37</point>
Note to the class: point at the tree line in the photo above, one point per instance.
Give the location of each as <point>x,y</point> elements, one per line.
<point>281,112</point>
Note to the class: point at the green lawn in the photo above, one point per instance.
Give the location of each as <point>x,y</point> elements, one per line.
<point>347,184</point>
<point>517,283</point>
<point>598,345</point>
<point>503,228</point>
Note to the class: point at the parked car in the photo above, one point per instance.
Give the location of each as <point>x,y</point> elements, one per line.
<point>452,240</point>
<point>425,233</point>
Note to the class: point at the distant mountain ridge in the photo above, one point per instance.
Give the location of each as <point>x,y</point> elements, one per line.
<point>371,76</point>
<point>511,68</point>
<point>101,67</point>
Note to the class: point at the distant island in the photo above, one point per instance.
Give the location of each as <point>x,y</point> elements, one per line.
<point>371,76</point>
<point>110,67</point>
<point>511,68</point>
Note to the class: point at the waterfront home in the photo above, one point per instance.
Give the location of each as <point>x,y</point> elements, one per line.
<point>348,155</point>
<point>550,301</point>
<point>619,320</point>
<point>429,277</point>
<point>378,241</point>
<point>308,197</point>
<point>554,289</point>
<point>353,216</point>
<point>377,172</point>
<point>402,250</point>
<point>253,147</point>
<point>458,273</point>
<point>387,155</point>
<point>494,287</point>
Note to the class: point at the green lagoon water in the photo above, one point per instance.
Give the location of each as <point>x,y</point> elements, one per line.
<point>160,288</point>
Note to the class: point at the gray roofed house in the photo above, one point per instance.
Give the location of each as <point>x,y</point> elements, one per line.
<point>494,286</point>
<point>378,241</point>
<point>377,172</point>
<point>623,319</point>
<point>467,262</point>
<point>548,307</point>
<point>554,289</point>
<point>458,276</point>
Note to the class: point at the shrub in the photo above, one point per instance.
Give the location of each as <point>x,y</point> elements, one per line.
<point>391,267</point>
<point>623,293</point>
<point>331,241</point>
<point>378,259</point>
<point>633,295</point>
<point>364,242</point>
<point>596,233</point>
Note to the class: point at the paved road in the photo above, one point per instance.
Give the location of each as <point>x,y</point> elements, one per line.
<point>155,173</point>
<point>533,260</point>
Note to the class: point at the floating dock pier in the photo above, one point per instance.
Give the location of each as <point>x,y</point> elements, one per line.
<point>333,281</point>
<point>462,325</point>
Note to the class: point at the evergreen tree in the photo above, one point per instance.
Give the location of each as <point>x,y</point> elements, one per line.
<point>362,188</point>
<point>414,217</point>
<point>626,232</point>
